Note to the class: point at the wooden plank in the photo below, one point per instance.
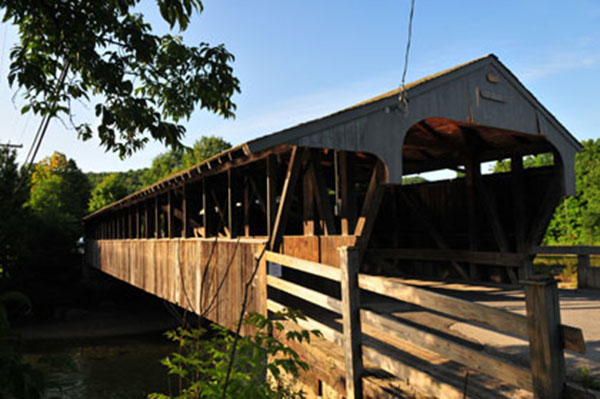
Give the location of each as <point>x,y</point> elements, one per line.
<point>500,320</point>
<point>472,172</point>
<point>419,212</point>
<point>247,199</point>
<point>427,383</point>
<point>271,192</point>
<point>441,255</point>
<point>230,204</point>
<point>583,267</point>
<point>170,216</point>
<point>287,193</point>
<point>568,250</point>
<point>307,323</point>
<point>477,360</point>
<point>312,296</point>
<point>302,265</point>
<point>491,209</point>
<point>349,266</point>
<point>320,190</point>
<point>545,346</point>
<point>370,209</point>
<point>156,218</point>
<point>348,211</point>
<point>308,201</point>
<point>185,213</point>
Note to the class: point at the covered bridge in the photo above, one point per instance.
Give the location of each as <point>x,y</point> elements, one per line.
<point>342,181</point>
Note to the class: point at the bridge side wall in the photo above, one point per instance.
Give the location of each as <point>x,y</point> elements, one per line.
<point>204,276</point>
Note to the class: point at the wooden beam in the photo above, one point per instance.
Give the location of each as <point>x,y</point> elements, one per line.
<point>446,255</point>
<point>545,211</point>
<point>247,199</point>
<point>370,209</point>
<point>349,266</point>
<point>308,209</point>
<point>256,192</point>
<point>170,217</point>
<point>419,212</point>
<point>545,343</point>
<point>293,171</point>
<point>185,212</point>
<point>306,266</point>
<point>478,360</point>
<point>491,209</point>
<point>230,205</point>
<point>348,213</point>
<point>156,218</point>
<point>320,190</point>
<point>472,174</point>
<point>204,210</point>
<point>271,192</point>
<point>224,223</point>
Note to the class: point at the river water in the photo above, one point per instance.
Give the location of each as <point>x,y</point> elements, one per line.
<point>113,368</point>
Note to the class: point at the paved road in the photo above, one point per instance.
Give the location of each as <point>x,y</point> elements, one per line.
<point>579,308</point>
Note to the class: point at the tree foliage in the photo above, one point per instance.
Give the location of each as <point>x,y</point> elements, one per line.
<point>202,361</point>
<point>109,190</point>
<point>58,200</point>
<point>577,219</point>
<point>143,85</point>
<point>174,161</point>
<point>14,193</point>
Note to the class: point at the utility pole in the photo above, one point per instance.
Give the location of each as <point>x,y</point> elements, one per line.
<point>9,145</point>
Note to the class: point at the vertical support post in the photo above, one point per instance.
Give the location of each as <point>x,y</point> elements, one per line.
<point>308,208</point>
<point>271,193</point>
<point>156,217</point>
<point>170,229</point>
<point>185,212</point>
<point>138,233</point>
<point>246,207</point>
<point>545,339</point>
<point>204,210</point>
<point>349,265</point>
<point>146,221</point>
<point>583,264</point>
<point>471,174</point>
<point>348,194</point>
<point>230,205</point>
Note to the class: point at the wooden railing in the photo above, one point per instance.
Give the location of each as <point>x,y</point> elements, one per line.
<point>587,276</point>
<point>541,327</point>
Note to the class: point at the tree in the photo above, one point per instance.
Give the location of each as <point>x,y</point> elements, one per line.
<point>144,84</point>
<point>173,161</point>
<point>110,189</point>
<point>14,186</point>
<point>204,148</point>
<point>58,200</point>
<point>577,219</point>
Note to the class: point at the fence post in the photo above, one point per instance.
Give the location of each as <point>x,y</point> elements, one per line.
<point>545,343</point>
<point>349,265</point>
<point>583,264</point>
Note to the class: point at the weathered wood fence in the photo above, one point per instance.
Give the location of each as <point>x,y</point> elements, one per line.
<point>587,276</point>
<point>547,337</point>
<point>204,276</point>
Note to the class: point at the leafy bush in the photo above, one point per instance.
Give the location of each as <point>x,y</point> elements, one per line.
<point>259,368</point>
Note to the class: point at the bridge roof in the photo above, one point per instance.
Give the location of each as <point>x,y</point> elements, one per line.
<point>436,95</point>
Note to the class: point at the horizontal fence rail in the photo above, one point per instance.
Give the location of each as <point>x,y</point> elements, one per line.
<point>376,351</point>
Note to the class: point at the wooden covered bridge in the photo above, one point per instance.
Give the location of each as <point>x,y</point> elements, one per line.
<point>305,216</point>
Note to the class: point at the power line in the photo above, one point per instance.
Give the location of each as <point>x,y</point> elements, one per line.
<point>403,98</point>
<point>41,132</point>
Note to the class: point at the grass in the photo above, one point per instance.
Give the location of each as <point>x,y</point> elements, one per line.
<point>587,379</point>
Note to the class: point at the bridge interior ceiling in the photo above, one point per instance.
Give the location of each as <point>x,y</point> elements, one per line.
<point>293,191</point>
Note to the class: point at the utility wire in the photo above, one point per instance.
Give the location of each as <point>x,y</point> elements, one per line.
<point>403,98</point>
<point>41,132</point>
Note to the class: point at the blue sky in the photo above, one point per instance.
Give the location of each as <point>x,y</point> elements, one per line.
<point>299,60</point>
